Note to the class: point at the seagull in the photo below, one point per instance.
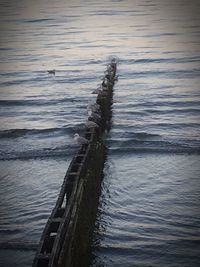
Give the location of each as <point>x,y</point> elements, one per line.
<point>94,107</point>
<point>52,72</point>
<point>110,69</point>
<point>80,140</point>
<point>107,76</point>
<point>97,91</point>
<point>103,85</point>
<point>91,124</point>
<point>94,115</point>
<point>114,60</point>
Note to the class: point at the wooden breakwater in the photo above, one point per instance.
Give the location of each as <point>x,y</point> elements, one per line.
<point>66,239</point>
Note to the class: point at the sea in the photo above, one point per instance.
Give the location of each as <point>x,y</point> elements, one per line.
<point>149,213</point>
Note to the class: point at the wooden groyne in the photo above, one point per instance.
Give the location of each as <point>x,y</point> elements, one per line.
<point>65,241</point>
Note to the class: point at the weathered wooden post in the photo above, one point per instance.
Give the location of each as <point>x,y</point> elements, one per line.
<point>65,241</point>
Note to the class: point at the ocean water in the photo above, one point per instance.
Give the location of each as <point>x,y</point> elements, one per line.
<point>149,208</point>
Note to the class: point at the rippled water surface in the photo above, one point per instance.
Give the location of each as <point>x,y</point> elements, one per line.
<point>149,208</point>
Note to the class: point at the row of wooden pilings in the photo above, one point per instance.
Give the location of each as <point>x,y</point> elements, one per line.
<point>66,239</point>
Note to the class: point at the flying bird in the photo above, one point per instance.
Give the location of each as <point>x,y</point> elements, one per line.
<point>52,72</point>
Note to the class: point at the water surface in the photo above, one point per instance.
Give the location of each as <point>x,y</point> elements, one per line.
<point>148,213</point>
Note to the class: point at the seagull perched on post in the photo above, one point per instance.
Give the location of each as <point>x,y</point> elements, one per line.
<point>80,140</point>
<point>94,107</point>
<point>104,85</point>
<point>91,124</point>
<point>110,68</point>
<point>97,91</point>
<point>94,115</point>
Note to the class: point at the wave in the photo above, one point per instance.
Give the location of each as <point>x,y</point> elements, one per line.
<point>41,77</point>
<point>38,20</point>
<point>141,145</point>
<point>192,126</point>
<point>127,143</point>
<point>174,111</point>
<point>7,49</point>
<point>36,102</point>
<point>15,133</point>
<point>19,81</point>
<point>54,152</point>
<point>145,135</point>
<point>161,60</point>
<point>19,245</point>
<point>160,150</point>
<point>169,73</point>
<point>193,111</point>
<point>175,103</point>
<point>135,135</point>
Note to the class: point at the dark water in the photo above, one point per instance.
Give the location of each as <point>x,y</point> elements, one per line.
<point>149,209</point>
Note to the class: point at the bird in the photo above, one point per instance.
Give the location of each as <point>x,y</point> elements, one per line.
<point>51,71</point>
<point>94,115</point>
<point>110,68</point>
<point>104,85</point>
<point>114,61</point>
<point>97,91</point>
<point>94,107</point>
<point>108,77</point>
<point>108,83</point>
<point>91,124</point>
<point>80,140</point>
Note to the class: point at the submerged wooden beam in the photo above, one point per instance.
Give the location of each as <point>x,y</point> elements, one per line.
<point>66,239</point>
